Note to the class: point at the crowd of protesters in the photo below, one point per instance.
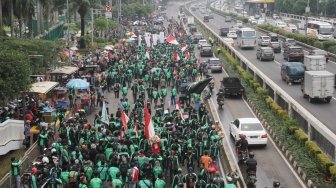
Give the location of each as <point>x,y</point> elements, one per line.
<point>183,152</point>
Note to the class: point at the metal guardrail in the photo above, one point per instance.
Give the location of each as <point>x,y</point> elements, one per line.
<point>299,17</point>
<point>314,128</point>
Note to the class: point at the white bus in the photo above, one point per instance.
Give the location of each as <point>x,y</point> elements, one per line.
<point>247,37</point>
<point>320,30</point>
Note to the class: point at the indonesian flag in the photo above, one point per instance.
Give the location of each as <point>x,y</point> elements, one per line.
<point>187,54</point>
<point>176,56</point>
<point>149,127</point>
<point>184,47</point>
<point>124,119</point>
<point>171,39</point>
<point>121,135</point>
<point>147,55</point>
<point>135,129</point>
<point>135,174</point>
<point>177,106</point>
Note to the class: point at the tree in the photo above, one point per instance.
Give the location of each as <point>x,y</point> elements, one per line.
<point>14,74</point>
<point>101,24</point>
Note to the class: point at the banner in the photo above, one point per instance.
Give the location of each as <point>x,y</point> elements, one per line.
<point>155,39</point>
<point>148,41</point>
<point>162,37</point>
<point>11,135</point>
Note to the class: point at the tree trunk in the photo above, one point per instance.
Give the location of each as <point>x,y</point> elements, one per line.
<point>20,26</point>
<point>82,24</point>
<point>11,18</point>
<point>0,17</point>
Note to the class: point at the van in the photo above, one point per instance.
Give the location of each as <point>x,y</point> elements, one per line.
<point>265,53</point>
<point>273,36</point>
<point>292,72</point>
<point>206,18</point>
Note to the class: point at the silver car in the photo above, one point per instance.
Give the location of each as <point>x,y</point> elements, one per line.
<point>214,65</point>
<point>264,40</point>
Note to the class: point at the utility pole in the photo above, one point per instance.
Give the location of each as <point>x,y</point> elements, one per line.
<point>306,15</point>
<point>92,26</point>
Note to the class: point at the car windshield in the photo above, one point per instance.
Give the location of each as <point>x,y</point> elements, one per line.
<point>206,47</point>
<point>249,33</point>
<point>290,41</point>
<point>251,127</point>
<point>296,70</point>
<point>296,50</point>
<point>214,62</point>
<point>268,51</point>
<point>265,38</point>
<point>325,30</point>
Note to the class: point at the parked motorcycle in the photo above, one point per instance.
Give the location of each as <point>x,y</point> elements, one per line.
<point>220,102</point>
<point>211,86</point>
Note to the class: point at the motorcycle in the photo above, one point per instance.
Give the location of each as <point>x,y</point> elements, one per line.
<point>211,86</point>
<point>251,179</point>
<point>220,102</point>
<point>242,156</point>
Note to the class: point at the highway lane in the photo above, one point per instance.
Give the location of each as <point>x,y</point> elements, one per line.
<point>271,164</point>
<point>324,112</point>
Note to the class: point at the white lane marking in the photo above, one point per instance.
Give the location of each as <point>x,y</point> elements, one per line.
<point>277,62</point>
<point>278,150</point>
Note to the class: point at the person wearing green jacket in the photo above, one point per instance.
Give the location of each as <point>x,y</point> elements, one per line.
<point>33,183</point>
<point>173,93</point>
<point>88,170</point>
<point>117,183</point>
<point>96,182</point>
<point>43,136</point>
<point>155,96</point>
<point>16,165</point>
<point>157,169</point>
<point>113,171</point>
<point>163,94</point>
<point>145,182</point>
<point>159,182</point>
<point>124,91</point>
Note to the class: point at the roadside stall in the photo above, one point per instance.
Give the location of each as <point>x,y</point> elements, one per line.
<point>63,74</point>
<point>81,91</point>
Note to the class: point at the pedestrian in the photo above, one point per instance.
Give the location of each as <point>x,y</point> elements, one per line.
<point>16,165</point>
<point>27,134</point>
<point>116,89</point>
<point>173,94</point>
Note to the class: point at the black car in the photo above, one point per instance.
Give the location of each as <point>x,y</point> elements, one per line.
<point>206,51</point>
<point>291,53</point>
<point>196,37</point>
<point>224,31</point>
<point>276,46</point>
<point>192,29</point>
<point>274,37</point>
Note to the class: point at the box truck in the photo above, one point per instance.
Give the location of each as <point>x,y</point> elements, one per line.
<point>190,20</point>
<point>318,85</point>
<point>315,62</point>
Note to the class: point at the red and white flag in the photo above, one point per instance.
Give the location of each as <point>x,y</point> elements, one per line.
<point>184,47</point>
<point>124,119</point>
<point>135,129</point>
<point>147,55</point>
<point>171,39</point>
<point>176,56</point>
<point>149,127</point>
<point>187,54</point>
<point>177,106</point>
<point>121,135</point>
<point>135,174</point>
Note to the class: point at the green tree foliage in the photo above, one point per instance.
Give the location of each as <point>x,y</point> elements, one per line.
<point>317,7</point>
<point>132,10</point>
<point>14,73</point>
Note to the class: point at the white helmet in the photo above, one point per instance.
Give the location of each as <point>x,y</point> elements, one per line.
<point>53,150</point>
<point>229,179</point>
<point>45,159</point>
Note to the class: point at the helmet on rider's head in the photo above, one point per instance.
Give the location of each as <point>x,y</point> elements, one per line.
<point>242,136</point>
<point>251,155</point>
<point>229,179</point>
<point>45,160</point>
<point>276,184</point>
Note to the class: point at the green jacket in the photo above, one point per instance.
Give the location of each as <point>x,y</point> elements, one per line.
<point>96,183</point>
<point>159,183</point>
<point>16,167</point>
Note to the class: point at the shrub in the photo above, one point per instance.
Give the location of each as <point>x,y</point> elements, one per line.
<point>283,114</point>
<point>313,148</point>
<point>247,76</point>
<point>292,129</point>
<point>327,44</point>
<point>332,170</point>
<point>324,161</point>
<point>268,101</point>
<point>275,107</point>
<point>256,85</point>
<point>262,91</point>
<point>300,135</point>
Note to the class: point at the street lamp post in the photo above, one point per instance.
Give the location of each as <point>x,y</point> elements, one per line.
<point>307,14</point>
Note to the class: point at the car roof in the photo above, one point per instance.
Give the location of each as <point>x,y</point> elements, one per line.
<point>213,59</point>
<point>206,45</point>
<point>248,120</point>
<point>295,47</point>
<point>293,64</point>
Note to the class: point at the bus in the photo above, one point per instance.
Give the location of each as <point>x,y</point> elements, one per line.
<point>320,30</point>
<point>247,37</point>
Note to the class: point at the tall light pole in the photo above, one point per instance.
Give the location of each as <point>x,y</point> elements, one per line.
<point>307,14</point>
<point>68,33</point>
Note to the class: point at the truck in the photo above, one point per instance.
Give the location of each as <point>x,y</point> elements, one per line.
<point>315,62</point>
<point>232,87</point>
<point>190,21</point>
<point>318,85</point>
<point>224,31</point>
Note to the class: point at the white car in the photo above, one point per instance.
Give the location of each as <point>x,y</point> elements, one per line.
<point>281,24</point>
<point>201,42</point>
<point>239,23</point>
<point>232,34</point>
<point>253,21</point>
<point>230,41</point>
<point>251,128</point>
<point>292,27</point>
<point>264,40</point>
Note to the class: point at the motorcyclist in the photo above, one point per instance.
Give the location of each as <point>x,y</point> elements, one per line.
<point>241,144</point>
<point>230,183</point>
<point>251,164</point>
<point>220,95</point>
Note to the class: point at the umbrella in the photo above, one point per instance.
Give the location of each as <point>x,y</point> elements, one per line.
<point>74,48</point>
<point>131,40</point>
<point>129,33</point>
<point>78,84</point>
<point>108,47</point>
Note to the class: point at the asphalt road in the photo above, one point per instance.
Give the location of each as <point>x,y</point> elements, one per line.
<point>325,112</point>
